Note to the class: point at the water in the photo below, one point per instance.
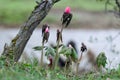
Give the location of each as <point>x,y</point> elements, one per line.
<point>96,40</point>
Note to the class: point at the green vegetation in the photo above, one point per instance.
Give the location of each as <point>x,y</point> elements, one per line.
<point>24,71</point>
<point>101,60</point>
<point>33,71</point>
<point>17,11</point>
<point>91,5</point>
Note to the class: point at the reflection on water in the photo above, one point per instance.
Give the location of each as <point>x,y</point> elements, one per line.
<point>97,40</point>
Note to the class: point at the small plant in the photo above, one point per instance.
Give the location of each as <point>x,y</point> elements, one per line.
<point>45,35</point>
<point>70,53</point>
<point>59,38</point>
<point>66,19</point>
<point>49,51</point>
<point>101,60</point>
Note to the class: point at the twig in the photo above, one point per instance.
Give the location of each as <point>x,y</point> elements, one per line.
<point>78,63</point>
<point>67,67</point>
<point>42,54</point>
<point>57,54</point>
<point>58,43</point>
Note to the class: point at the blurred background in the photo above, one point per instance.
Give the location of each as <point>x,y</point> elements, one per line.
<point>98,29</point>
<point>86,14</point>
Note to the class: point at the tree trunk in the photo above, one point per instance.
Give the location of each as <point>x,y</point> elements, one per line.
<point>18,44</point>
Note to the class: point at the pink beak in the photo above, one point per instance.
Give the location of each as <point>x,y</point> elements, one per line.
<point>67,10</point>
<point>46,30</point>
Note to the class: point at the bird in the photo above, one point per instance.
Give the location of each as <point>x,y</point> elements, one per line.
<point>45,33</point>
<point>66,17</point>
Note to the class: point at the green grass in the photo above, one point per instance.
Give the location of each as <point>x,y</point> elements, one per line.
<point>17,11</point>
<point>33,71</point>
<point>22,71</point>
<point>91,5</point>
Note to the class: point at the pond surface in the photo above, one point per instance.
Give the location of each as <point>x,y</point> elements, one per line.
<point>107,41</point>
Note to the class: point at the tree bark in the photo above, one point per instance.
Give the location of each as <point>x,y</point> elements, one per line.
<point>118,4</point>
<point>18,44</point>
